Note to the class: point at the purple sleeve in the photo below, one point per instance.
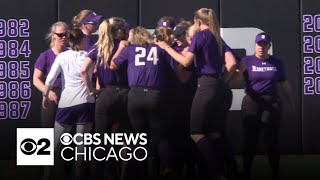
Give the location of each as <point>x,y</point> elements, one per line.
<point>88,43</point>
<point>123,56</point>
<point>225,46</point>
<point>93,47</point>
<point>282,73</point>
<point>195,44</point>
<point>93,54</point>
<point>41,62</point>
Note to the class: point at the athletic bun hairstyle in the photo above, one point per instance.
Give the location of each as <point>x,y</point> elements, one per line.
<point>75,36</point>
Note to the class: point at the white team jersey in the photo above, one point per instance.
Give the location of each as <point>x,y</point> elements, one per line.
<point>74,91</point>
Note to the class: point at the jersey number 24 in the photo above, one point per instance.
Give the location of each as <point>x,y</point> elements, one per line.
<point>141,55</point>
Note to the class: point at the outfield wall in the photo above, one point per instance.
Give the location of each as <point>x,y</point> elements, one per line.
<point>293,24</point>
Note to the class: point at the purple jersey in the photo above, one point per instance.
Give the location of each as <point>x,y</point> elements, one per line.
<point>209,60</point>
<point>145,65</point>
<point>105,75</point>
<point>262,76</point>
<point>170,78</point>
<point>44,63</point>
<point>88,43</point>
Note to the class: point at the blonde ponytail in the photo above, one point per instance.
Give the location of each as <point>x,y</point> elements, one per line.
<point>105,43</point>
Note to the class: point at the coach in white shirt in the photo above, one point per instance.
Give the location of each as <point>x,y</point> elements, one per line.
<point>76,105</point>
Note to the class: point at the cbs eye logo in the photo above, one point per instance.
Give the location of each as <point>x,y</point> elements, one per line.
<point>29,146</point>
<point>66,139</point>
<point>35,146</point>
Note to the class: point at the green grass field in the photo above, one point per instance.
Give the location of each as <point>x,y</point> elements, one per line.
<point>293,167</point>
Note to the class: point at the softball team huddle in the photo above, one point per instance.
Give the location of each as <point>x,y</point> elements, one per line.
<point>172,85</point>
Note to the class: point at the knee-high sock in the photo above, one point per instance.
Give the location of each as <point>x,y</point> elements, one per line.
<point>206,149</point>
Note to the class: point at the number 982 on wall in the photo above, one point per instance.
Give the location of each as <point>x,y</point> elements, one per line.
<point>14,28</point>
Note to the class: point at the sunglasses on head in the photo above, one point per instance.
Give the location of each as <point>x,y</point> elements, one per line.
<point>61,34</point>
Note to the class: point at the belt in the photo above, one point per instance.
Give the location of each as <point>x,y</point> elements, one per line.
<point>117,87</point>
<point>145,89</point>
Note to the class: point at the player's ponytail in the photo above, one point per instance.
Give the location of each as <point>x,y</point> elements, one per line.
<point>209,18</point>
<point>105,43</point>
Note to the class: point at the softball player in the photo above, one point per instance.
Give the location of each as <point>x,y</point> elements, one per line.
<point>166,21</point>
<point>183,35</point>
<point>145,75</point>
<point>88,22</point>
<point>261,107</point>
<point>206,112</point>
<point>76,106</point>
<point>58,42</point>
<point>111,103</point>
<point>182,96</point>
<point>169,99</point>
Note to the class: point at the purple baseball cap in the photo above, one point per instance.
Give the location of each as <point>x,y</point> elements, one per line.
<point>91,18</point>
<point>167,24</point>
<point>263,37</point>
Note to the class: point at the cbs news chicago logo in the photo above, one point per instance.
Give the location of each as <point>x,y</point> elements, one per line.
<point>35,146</point>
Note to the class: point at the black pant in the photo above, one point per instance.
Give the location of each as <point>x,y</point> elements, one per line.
<point>178,107</point>
<point>144,109</point>
<point>111,108</point>
<point>228,98</point>
<point>207,111</point>
<point>261,112</point>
